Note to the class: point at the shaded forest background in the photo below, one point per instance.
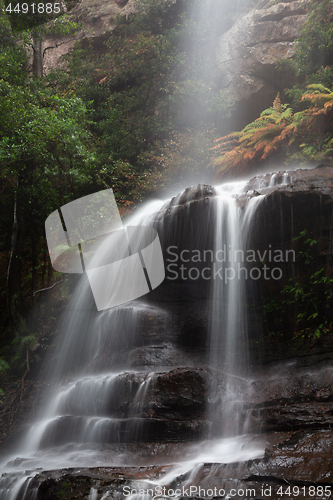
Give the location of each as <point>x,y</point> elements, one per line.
<point>139,113</point>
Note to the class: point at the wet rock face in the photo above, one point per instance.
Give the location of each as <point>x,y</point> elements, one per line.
<point>192,193</point>
<point>295,465</point>
<point>186,224</point>
<point>289,397</point>
<point>305,203</point>
<point>134,407</point>
<point>293,203</point>
<point>302,458</point>
<point>318,180</point>
<point>247,55</point>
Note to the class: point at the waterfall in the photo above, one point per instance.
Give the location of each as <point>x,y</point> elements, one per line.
<point>100,397</point>
<point>228,326</point>
<point>227,314</point>
<point>86,405</point>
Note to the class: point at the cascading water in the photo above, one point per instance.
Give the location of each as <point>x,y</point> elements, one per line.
<point>102,402</point>
<point>101,384</point>
<point>228,330</point>
<point>80,413</point>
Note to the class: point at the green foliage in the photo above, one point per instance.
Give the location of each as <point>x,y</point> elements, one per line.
<point>304,306</point>
<point>312,298</point>
<point>313,59</point>
<point>4,366</point>
<point>63,25</point>
<point>25,347</point>
<point>315,45</point>
<point>13,60</point>
<point>281,134</point>
<point>45,161</point>
<point>43,146</point>
<point>309,245</point>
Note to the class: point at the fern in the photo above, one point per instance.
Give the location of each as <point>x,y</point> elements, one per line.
<point>4,366</point>
<point>278,131</point>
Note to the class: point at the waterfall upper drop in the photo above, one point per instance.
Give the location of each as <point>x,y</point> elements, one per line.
<point>228,317</point>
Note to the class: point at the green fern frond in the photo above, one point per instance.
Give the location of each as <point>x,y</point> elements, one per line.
<point>319,87</point>
<point>4,366</point>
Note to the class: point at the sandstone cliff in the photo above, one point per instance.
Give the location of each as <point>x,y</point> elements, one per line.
<point>97,17</point>
<point>246,53</point>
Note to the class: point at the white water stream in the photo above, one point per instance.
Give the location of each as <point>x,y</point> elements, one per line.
<point>75,425</point>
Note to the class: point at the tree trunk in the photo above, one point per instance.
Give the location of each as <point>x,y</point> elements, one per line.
<point>37,64</point>
<point>34,269</point>
<point>13,285</point>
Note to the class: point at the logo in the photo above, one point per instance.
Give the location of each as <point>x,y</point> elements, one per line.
<point>121,263</point>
